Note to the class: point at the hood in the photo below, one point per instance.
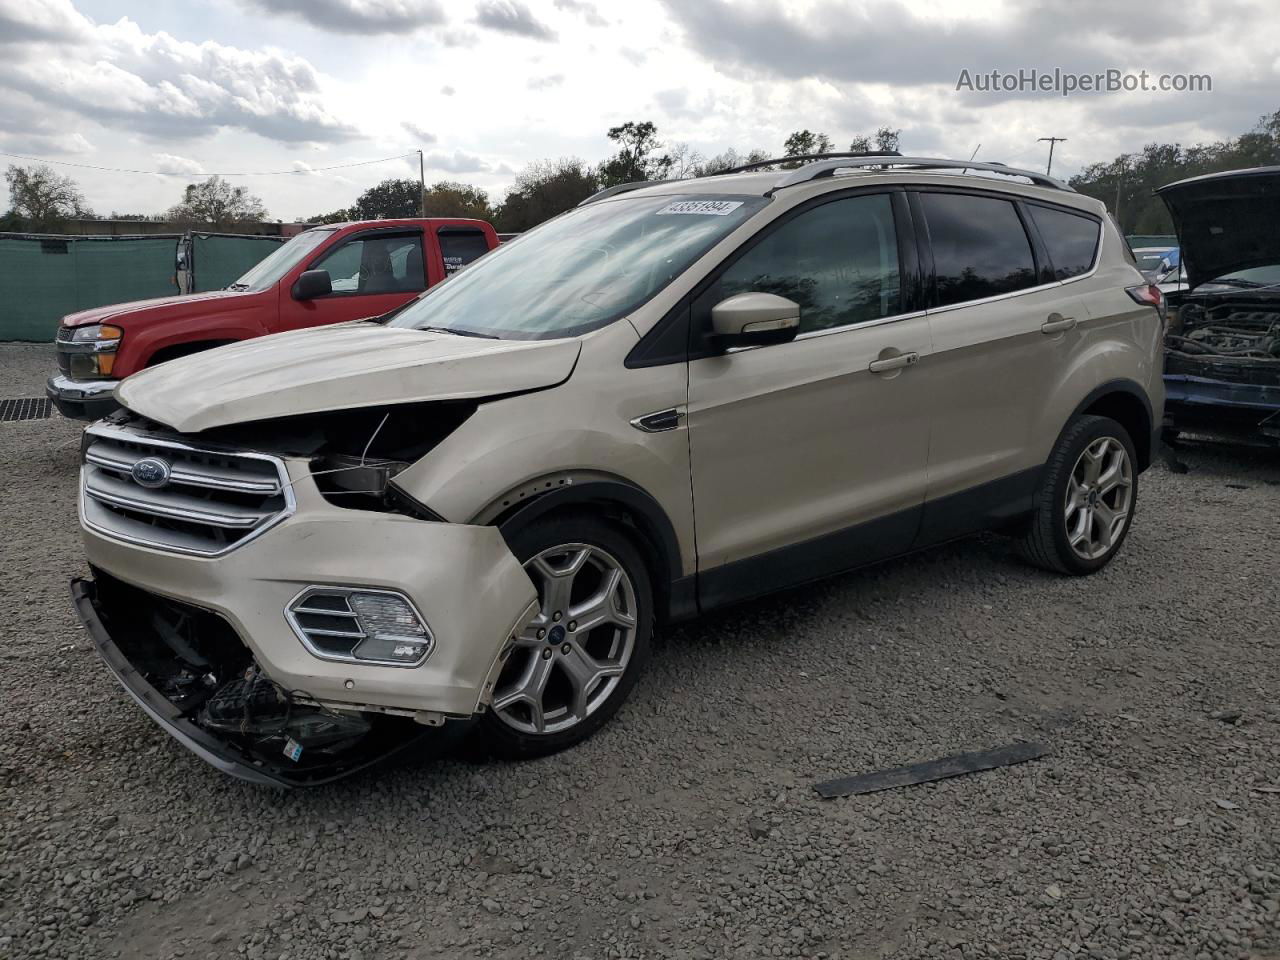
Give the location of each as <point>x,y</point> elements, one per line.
<point>1226,221</point>
<point>338,368</point>
<point>191,303</point>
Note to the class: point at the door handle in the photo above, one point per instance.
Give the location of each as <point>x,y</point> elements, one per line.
<point>893,363</point>
<point>1057,323</point>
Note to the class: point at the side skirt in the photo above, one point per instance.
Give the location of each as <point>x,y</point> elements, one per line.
<point>988,506</point>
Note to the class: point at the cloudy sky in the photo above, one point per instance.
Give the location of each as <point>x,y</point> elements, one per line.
<point>485,86</point>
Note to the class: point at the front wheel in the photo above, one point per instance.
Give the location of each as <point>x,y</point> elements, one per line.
<point>1086,501</point>
<point>570,669</point>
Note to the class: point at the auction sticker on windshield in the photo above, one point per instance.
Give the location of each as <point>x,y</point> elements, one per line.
<point>707,208</point>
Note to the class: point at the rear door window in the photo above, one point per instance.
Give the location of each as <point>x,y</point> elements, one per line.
<point>1072,241</point>
<point>980,248</point>
<point>459,246</point>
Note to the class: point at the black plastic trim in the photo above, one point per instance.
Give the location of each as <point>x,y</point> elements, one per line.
<point>1147,446</point>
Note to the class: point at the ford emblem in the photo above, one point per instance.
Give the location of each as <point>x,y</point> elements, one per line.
<point>151,472</point>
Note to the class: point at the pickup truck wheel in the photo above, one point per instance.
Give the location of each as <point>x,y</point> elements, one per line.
<point>1086,501</point>
<point>576,661</point>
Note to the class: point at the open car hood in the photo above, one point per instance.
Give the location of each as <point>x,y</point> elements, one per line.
<point>339,368</point>
<point>1226,221</point>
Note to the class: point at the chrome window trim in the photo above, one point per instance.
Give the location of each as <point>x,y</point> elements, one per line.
<point>130,436</point>
<point>349,589</point>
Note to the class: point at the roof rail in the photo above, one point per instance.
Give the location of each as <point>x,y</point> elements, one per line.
<point>825,168</point>
<point>755,164</point>
<point>621,188</point>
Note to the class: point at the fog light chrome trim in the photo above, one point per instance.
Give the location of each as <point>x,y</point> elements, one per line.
<point>317,601</point>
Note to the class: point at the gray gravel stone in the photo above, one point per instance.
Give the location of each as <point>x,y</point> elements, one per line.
<point>688,827</point>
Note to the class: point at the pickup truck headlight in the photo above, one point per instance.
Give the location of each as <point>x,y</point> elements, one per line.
<point>92,350</point>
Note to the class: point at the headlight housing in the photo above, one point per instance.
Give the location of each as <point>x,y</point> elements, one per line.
<point>91,349</point>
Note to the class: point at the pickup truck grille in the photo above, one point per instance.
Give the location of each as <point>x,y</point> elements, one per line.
<point>184,499</point>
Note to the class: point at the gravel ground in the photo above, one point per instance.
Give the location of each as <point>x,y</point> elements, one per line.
<point>689,827</point>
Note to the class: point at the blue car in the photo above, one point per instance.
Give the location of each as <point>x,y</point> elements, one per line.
<point>1222,347</point>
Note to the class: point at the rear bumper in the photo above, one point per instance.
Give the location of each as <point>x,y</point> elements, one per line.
<point>1222,406</point>
<point>82,399</point>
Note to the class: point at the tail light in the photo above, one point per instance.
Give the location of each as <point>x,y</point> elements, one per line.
<point>1149,295</point>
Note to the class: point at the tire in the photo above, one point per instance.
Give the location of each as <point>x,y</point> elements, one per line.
<point>1077,527</point>
<point>585,672</point>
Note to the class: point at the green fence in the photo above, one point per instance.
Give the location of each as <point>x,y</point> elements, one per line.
<point>44,278</point>
<point>219,259</point>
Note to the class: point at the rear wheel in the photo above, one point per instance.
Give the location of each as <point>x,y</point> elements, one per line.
<point>1087,498</point>
<point>573,665</point>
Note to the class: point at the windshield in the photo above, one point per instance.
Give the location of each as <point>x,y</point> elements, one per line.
<point>281,260</point>
<point>581,270</point>
<point>1267,276</point>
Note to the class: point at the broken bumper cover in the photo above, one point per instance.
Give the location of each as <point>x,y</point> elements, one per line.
<point>215,751</point>
<point>1222,406</point>
<point>467,585</point>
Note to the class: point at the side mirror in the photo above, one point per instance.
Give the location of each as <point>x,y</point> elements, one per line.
<point>754,319</point>
<point>311,284</point>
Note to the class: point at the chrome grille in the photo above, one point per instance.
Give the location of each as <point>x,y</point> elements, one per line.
<point>207,501</point>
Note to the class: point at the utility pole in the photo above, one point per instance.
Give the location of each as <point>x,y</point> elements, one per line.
<point>1124,165</point>
<point>1048,170</point>
<point>422,183</point>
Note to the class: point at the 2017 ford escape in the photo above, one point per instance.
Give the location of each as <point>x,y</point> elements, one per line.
<point>672,397</point>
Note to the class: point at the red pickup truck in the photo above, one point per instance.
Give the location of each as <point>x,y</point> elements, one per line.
<point>326,274</point>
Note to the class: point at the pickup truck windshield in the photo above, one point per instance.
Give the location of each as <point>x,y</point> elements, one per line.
<point>280,261</point>
<point>582,270</point>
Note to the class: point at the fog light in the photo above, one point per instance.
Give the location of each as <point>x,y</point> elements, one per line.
<point>371,626</point>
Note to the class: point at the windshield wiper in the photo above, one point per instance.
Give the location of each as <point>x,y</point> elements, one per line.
<point>460,333</point>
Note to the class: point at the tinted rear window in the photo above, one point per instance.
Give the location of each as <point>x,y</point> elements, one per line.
<point>1072,240</point>
<point>979,247</point>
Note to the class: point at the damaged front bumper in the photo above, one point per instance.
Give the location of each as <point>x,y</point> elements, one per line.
<point>183,632</point>
<point>224,754</point>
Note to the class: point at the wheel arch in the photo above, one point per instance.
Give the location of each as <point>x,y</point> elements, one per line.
<point>185,348</point>
<point>632,507</point>
<point>1127,403</point>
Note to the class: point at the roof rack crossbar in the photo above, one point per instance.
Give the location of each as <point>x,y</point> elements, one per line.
<point>756,164</point>
<point>825,168</point>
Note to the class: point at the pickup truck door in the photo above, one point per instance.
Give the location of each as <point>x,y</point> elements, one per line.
<point>372,271</point>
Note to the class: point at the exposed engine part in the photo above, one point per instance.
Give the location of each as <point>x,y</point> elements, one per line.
<point>1225,331</point>
<point>259,709</point>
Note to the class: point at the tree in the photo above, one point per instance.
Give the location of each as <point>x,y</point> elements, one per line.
<point>216,203</point>
<point>727,161</point>
<point>635,160</point>
<point>1129,179</point>
<point>804,143</point>
<point>886,141</point>
<point>544,189</point>
<point>41,198</point>
<point>449,198</point>
<point>391,198</point>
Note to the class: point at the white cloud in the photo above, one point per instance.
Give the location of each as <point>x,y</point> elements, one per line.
<point>456,162</point>
<point>172,163</point>
<point>420,134</point>
<point>157,85</point>
<point>513,17</point>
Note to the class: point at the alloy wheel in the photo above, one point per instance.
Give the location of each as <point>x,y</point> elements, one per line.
<point>572,655</point>
<point>1099,498</point>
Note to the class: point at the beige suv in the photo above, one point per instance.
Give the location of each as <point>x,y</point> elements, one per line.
<point>308,546</point>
